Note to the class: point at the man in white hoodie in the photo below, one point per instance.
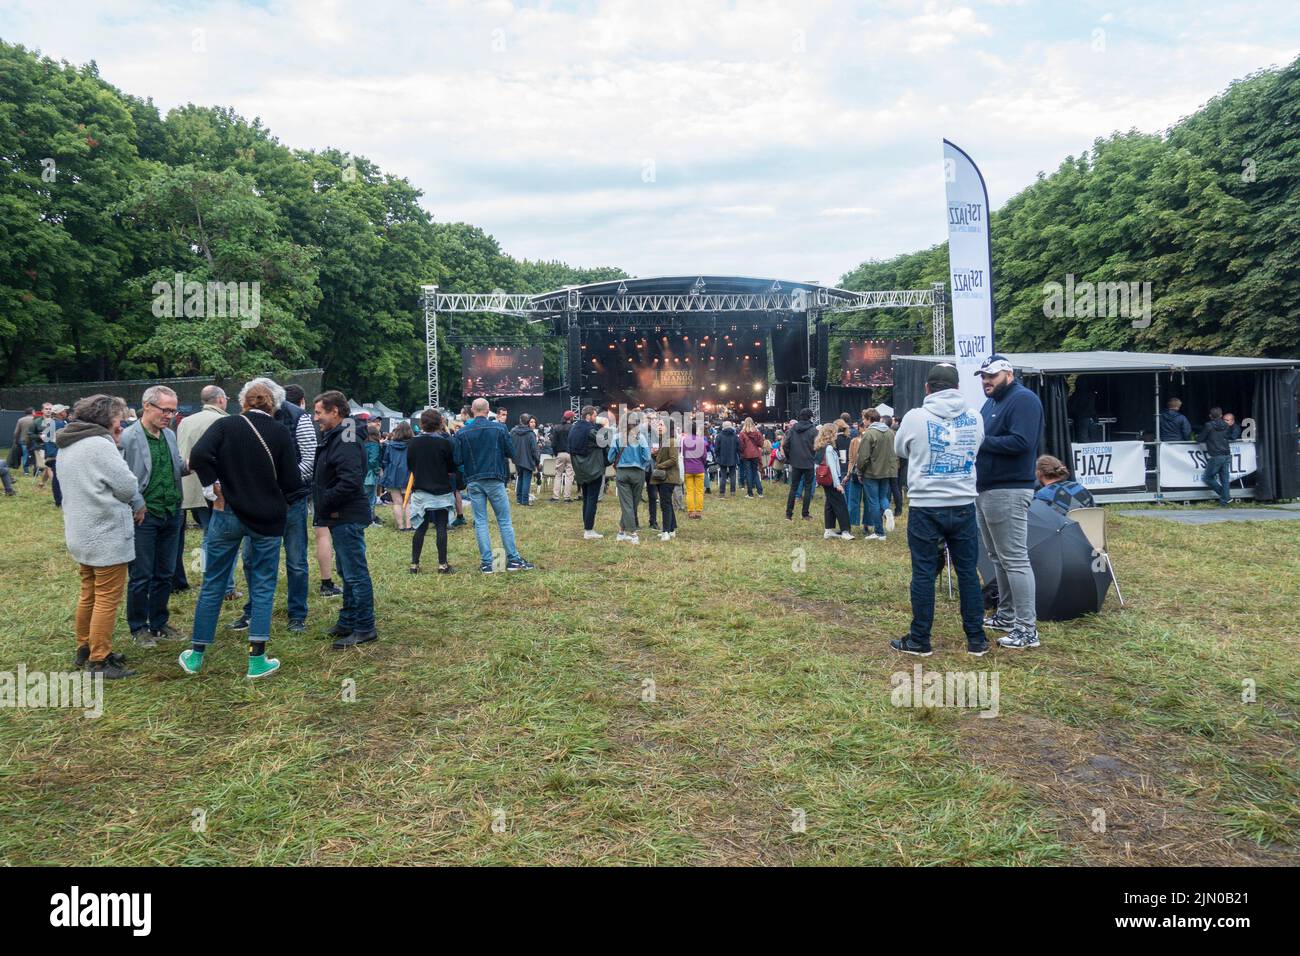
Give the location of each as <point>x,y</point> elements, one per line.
<point>940,441</point>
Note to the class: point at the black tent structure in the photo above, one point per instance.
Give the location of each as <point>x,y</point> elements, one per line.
<point>1111,398</point>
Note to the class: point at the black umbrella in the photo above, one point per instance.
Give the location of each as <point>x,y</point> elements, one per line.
<point>1067,582</point>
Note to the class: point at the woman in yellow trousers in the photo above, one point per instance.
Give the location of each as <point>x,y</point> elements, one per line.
<point>694,448</point>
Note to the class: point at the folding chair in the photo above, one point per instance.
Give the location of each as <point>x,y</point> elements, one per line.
<point>548,472</point>
<point>1093,523</point>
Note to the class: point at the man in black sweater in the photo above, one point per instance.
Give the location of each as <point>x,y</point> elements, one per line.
<point>798,447</point>
<point>341,504</point>
<point>250,465</point>
<point>1217,438</point>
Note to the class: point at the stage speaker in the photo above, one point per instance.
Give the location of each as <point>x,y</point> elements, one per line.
<point>575,360</point>
<point>822,355</point>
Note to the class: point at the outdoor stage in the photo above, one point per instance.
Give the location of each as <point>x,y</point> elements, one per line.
<point>755,346</point>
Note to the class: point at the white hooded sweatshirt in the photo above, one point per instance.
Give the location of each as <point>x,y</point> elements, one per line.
<point>940,441</point>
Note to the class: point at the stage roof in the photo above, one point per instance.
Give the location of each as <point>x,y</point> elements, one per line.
<point>1069,363</point>
<point>684,284</point>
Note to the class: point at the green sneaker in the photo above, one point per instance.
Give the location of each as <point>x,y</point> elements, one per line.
<point>262,666</point>
<point>191,661</point>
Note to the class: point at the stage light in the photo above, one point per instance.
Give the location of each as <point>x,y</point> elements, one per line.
<point>722,387</point>
<point>758,386</point>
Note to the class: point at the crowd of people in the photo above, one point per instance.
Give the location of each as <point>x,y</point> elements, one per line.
<point>252,479</point>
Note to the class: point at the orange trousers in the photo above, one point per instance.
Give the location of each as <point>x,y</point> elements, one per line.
<point>102,590</point>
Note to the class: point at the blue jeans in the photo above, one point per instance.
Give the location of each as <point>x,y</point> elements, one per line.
<point>927,530</point>
<point>205,518</point>
<point>480,494</point>
<point>523,485</point>
<point>727,473</point>
<point>877,495</point>
<point>853,495</point>
<point>221,543</point>
<point>1218,475</point>
<point>750,477</point>
<point>150,574</point>
<point>295,562</point>
<point>358,610</point>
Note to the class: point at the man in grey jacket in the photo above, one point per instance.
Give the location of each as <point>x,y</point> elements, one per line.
<point>149,448</point>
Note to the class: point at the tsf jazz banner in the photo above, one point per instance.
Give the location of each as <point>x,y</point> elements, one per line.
<point>970,268</point>
<point>1182,464</point>
<point>1117,464</point>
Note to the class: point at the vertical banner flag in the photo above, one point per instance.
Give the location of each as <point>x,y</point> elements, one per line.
<point>969,267</point>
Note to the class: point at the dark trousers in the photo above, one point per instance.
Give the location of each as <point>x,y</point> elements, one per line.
<point>590,498</point>
<point>523,485</point>
<point>150,574</point>
<point>652,497</point>
<point>835,510</point>
<point>1218,475</point>
<point>749,476</point>
<point>665,495</point>
<point>54,481</point>
<point>797,474</point>
<point>728,475</point>
<point>928,529</point>
<point>358,610</point>
<point>896,494</point>
<point>438,518</point>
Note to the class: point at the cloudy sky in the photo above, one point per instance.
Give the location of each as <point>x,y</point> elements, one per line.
<point>790,139</point>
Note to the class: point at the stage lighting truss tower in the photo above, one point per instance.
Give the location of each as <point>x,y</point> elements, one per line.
<point>431,341</point>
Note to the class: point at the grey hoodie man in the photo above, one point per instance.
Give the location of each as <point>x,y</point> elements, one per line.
<point>940,441</point>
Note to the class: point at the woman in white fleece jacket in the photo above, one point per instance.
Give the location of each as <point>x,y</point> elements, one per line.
<point>98,525</point>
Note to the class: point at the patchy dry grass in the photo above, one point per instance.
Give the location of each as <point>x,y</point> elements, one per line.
<point>523,693</point>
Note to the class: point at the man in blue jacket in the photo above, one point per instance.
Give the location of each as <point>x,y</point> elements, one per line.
<point>482,448</point>
<point>1004,480</point>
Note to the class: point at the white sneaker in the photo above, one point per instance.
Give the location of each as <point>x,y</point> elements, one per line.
<point>872,537</point>
<point>673,535</point>
<point>633,539</point>
<point>846,536</point>
<point>828,534</point>
<point>889,520</point>
<point>592,535</point>
<point>666,536</point>
<point>623,536</point>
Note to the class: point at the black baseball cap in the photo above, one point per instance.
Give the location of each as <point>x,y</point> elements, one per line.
<point>943,376</point>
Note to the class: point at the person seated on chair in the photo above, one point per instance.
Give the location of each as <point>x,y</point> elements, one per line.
<point>1057,488</point>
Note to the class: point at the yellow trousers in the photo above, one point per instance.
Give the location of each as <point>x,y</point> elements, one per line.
<point>694,494</point>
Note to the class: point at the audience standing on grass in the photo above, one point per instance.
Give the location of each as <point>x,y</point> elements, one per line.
<point>1013,422</point>
<point>694,450</point>
<point>877,464</point>
<point>340,503</point>
<point>629,453</point>
<point>99,526</point>
<point>483,449</point>
<point>666,477</point>
<point>941,441</point>
<point>430,497</point>
<point>248,465</point>
<point>588,458</point>
<point>798,448</point>
<point>751,450</point>
<point>562,485</point>
<point>396,472</point>
<point>727,453</point>
<point>527,454</point>
<point>831,478</point>
<point>149,448</point>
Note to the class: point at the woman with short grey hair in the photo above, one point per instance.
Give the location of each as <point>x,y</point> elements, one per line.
<point>98,525</point>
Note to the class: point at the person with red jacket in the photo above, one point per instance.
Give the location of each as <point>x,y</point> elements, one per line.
<point>751,449</point>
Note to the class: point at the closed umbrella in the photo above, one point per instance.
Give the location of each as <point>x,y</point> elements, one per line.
<point>1066,582</point>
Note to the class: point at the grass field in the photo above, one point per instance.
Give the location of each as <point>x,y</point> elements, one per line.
<point>519,698</point>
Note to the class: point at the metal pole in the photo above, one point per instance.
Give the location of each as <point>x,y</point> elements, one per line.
<point>1157,432</point>
<point>940,322</point>
<point>431,341</point>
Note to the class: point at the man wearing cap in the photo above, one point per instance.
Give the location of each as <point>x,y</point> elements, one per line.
<point>1013,425</point>
<point>940,441</point>
<point>562,485</point>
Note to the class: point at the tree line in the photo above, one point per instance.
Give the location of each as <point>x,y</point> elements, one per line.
<point>104,201</point>
<point>1207,212</point>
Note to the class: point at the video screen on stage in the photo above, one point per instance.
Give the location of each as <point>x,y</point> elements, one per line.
<point>501,371</point>
<point>677,369</point>
<point>870,364</point>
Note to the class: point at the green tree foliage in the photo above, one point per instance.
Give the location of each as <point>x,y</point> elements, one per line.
<point>1208,213</point>
<point>339,247</point>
